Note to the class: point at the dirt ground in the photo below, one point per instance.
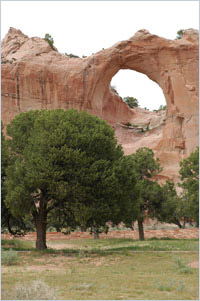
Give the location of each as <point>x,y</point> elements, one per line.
<point>172,233</point>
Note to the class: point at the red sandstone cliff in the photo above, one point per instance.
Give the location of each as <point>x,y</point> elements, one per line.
<point>36,77</point>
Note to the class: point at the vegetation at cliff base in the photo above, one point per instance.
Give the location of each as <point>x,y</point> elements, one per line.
<point>189,172</point>
<point>64,169</point>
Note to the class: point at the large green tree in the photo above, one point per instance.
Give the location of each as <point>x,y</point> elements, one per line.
<point>146,167</point>
<point>189,172</point>
<point>61,159</point>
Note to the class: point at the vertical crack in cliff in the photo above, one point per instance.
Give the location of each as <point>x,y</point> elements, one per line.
<point>170,89</point>
<point>180,64</point>
<point>44,99</point>
<point>84,80</point>
<point>18,91</point>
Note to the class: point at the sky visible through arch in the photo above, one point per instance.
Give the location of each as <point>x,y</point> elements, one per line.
<point>85,27</point>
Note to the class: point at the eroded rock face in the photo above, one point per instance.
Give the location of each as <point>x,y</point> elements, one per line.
<point>36,77</point>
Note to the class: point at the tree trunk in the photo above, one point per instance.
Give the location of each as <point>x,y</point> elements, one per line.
<point>40,223</point>
<point>141,230</point>
<point>96,233</point>
<point>178,224</point>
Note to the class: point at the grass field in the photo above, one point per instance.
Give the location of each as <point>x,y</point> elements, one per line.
<point>105,269</point>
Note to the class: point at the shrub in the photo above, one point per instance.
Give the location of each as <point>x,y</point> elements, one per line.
<point>9,257</point>
<point>50,40</point>
<point>36,290</point>
<point>162,107</point>
<point>132,102</point>
<point>183,266</point>
<point>180,34</point>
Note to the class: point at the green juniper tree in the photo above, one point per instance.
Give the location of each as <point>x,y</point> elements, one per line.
<point>146,168</point>
<point>62,159</point>
<point>127,192</point>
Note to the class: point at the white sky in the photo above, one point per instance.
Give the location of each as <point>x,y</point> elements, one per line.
<point>85,27</point>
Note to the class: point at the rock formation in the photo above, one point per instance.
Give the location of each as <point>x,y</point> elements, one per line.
<point>36,77</point>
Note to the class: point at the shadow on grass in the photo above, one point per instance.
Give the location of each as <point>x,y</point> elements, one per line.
<point>108,247</point>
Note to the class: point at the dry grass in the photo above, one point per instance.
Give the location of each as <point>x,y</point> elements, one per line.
<point>109,270</point>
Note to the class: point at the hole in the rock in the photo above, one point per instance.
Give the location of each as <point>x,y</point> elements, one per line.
<point>138,85</point>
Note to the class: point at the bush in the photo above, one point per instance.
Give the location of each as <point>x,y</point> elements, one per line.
<point>50,40</point>
<point>36,290</point>
<point>9,257</point>
<point>132,102</point>
<point>183,266</point>
<point>162,107</point>
<point>180,34</point>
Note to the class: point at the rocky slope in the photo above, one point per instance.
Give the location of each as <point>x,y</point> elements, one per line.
<point>36,77</point>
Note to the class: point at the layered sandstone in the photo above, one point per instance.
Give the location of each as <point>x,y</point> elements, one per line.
<point>36,77</point>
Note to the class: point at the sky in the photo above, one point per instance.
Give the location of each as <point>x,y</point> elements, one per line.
<point>85,27</point>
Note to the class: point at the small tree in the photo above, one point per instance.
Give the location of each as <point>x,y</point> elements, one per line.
<point>189,172</point>
<point>180,34</point>
<point>50,40</point>
<point>162,107</point>
<point>146,168</point>
<point>132,102</point>
<point>166,205</point>
<point>127,193</point>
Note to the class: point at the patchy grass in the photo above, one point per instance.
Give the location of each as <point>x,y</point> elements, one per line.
<point>9,257</point>
<point>120,244</point>
<point>17,244</point>
<point>109,269</point>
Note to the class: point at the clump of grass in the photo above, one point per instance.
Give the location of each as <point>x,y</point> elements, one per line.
<point>9,257</point>
<point>36,290</point>
<point>167,286</point>
<point>183,266</point>
<point>84,286</point>
<point>180,287</point>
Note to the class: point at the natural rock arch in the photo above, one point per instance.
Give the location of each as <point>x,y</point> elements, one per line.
<point>173,65</point>
<point>36,77</point>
